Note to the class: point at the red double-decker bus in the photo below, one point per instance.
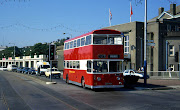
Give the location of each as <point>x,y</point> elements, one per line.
<point>95,59</point>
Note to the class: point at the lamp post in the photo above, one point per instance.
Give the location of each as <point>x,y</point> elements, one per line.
<point>30,52</point>
<point>24,52</point>
<point>14,51</point>
<point>2,55</point>
<point>69,34</point>
<point>145,36</point>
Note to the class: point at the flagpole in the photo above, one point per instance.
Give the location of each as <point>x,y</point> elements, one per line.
<point>109,17</point>
<point>130,11</point>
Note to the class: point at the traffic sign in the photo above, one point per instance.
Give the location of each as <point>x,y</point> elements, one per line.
<point>150,41</point>
<point>150,44</point>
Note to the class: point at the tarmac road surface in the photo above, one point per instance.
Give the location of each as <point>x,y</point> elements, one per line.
<point>26,92</point>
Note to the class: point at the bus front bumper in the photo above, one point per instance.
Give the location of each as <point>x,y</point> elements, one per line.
<point>105,86</point>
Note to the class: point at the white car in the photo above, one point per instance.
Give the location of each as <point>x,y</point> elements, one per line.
<point>131,76</point>
<point>3,69</point>
<point>55,72</point>
<point>132,72</point>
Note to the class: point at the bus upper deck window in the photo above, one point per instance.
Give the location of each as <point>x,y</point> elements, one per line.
<point>75,43</point>
<point>68,45</point>
<point>100,39</point>
<point>78,42</point>
<point>71,44</point>
<point>114,39</point>
<point>88,40</point>
<point>82,41</point>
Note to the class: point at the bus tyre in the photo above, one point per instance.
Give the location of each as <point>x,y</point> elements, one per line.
<point>83,82</point>
<point>67,79</point>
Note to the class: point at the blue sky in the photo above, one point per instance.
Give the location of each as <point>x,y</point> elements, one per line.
<point>34,21</point>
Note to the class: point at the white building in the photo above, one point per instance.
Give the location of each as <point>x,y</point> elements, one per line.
<point>25,61</point>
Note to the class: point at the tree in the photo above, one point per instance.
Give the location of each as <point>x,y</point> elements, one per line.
<point>40,48</point>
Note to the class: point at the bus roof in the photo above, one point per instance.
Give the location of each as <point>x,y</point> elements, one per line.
<point>100,31</point>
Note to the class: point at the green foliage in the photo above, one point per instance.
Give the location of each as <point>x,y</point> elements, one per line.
<point>37,49</point>
<point>40,49</point>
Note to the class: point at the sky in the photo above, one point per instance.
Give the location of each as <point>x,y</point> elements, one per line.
<point>27,22</point>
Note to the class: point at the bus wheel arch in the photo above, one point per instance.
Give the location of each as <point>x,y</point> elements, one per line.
<point>67,79</point>
<point>83,82</point>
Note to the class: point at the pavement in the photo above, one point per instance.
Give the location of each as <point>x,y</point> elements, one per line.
<point>156,84</point>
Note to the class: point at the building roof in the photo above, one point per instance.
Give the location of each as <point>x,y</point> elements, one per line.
<point>167,15</point>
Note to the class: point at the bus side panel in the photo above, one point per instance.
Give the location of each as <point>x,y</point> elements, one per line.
<point>76,76</point>
<point>92,79</point>
<point>93,51</point>
<point>78,53</point>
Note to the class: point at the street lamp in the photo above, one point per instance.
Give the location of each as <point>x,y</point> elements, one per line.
<point>69,34</point>
<point>30,52</point>
<point>24,52</point>
<point>2,55</point>
<point>14,51</point>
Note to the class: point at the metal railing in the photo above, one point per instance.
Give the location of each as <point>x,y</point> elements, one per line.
<point>164,74</point>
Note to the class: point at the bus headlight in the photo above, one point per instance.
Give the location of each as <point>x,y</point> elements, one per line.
<point>98,79</point>
<point>118,78</point>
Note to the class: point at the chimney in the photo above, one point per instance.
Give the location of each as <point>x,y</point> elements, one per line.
<point>173,9</point>
<point>161,9</point>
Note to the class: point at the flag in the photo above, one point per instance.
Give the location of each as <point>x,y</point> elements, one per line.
<point>131,12</point>
<point>110,17</point>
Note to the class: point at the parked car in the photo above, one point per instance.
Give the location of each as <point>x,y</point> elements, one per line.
<point>11,67</point>
<point>19,70</point>
<point>3,68</point>
<point>131,76</point>
<point>31,71</point>
<point>55,72</point>
<point>25,70</point>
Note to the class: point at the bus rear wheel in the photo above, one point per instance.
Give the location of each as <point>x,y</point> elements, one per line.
<point>67,79</point>
<point>83,82</point>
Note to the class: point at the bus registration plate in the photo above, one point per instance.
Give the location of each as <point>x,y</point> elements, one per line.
<point>108,83</point>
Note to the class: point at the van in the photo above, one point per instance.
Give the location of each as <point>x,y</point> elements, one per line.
<point>11,67</point>
<point>42,68</point>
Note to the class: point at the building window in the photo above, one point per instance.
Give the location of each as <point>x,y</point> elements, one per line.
<point>168,27</point>
<point>126,45</point>
<point>176,28</point>
<point>171,50</point>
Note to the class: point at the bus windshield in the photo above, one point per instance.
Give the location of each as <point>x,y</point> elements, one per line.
<point>102,66</point>
<point>45,66</point>
<point>107,39</point>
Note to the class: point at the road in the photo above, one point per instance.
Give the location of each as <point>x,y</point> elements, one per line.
<point>30,92</point>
